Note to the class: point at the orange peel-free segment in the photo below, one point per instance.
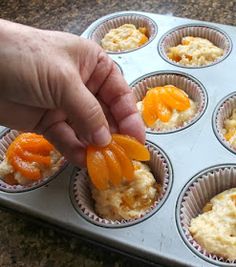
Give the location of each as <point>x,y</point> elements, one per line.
<point>114,167</point>
<point>97,168</point>
<point>113,164</point>
<point>26,169</point>
<point>125,163</point>
<point>27,153</point>
<point>149,108</point>
<point>159,103</point>
<point>133,149</point>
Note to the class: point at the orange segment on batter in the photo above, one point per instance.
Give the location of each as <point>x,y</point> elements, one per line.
<point>159,103</point>
<point>125,163</point>
<point>26,169</point>
<point>115,172</point>
<point>149,112</point>
<point>97,168</point>
<point>134,149</point>
<point>143,40</point>
<point>27,153</point>
<point>112,164</point>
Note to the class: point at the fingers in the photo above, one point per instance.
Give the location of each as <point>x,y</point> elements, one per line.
<point>86,114</point>
<point>101,72</point>
<point>63,137</point>
<point>18,116</point>
<point>117,95</point>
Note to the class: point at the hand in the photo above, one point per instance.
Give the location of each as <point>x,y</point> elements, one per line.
<point>64,87</point>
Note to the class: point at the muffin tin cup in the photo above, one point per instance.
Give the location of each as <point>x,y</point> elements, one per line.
<point>222,112</point>
<point>81,197</point>
<point>5,141</point>
<point>200,190</point>
<point>116,21</point>
<point>173,38</point>
<point>186,82</point>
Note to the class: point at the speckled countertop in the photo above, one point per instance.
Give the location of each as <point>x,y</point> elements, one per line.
<point>22,242</point>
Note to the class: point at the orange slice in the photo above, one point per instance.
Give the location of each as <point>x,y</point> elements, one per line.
<point>97,168</point>
<point>172,98</point>
<point>27,170</point>
<point>133,149</point>
<point>113,163</point>
<point>125,163</point>
<point>26,150</point>
<point>143,40</point>
<point>114,167</point>
<point>149,112</point>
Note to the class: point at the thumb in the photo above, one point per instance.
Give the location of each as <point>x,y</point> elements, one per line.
<point>86,115</point>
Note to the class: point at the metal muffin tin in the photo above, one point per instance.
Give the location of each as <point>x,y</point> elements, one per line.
<point>190,151</point>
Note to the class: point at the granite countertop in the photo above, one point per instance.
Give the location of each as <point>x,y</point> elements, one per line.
<point>24,243</point>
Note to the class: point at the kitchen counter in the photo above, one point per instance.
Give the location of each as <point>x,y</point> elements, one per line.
<point>24,243</point>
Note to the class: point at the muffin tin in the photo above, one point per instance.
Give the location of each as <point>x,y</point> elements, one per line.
<point>192,152</point>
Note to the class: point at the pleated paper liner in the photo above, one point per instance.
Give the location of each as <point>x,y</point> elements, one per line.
<point>81,196</point>
<point>213,34</point>
<point>194,89</point>
<point>5,141</point>
<point>203,187</point>
<point>116,21</point>
<point>222,112</point>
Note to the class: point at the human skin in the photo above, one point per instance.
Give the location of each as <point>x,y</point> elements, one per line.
<point>64,87</point>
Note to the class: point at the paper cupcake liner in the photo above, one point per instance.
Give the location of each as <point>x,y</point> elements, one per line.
<point>213,34</point>
<point>114,22</point>
<point>187,83</point>
<point>80,190</point>
<point>5,141</point>
<point>199,191</point>
<point>222,112</point>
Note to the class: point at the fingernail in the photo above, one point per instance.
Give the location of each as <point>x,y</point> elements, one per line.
<point>102,137</point>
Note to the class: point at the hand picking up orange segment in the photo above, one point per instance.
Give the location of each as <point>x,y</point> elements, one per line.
<point>112,164</point>
<point>160,102</point>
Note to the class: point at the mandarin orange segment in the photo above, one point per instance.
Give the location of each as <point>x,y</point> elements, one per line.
<point>149,112</point>
<point>143,40</point>
<point>163,112</point>
<point>24,168</point>
<point>30,157</point>
<point>160,101</point>
<point>97,168</point>
<point>114,167</point>
<point>42,147</point>
<point>133,148</point>
<point>125,163</point>
<point>28,148</point>
<point>168,100</point>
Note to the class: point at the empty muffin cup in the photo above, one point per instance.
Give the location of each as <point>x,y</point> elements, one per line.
<point>81,196</point>
<point>191,86</point>
<point>139,21</point>
<point>194,196</point>
<point>216,36</point>
<point>224,111</point>
<point>5,140</point>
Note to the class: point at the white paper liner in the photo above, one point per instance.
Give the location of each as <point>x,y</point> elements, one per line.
<point>222,113</point>
<point>193,89</point>
<point>200,192</point>
<point>114,22</point>
<point>214,35</point>
<point>5,141</point>
<point>82,197</point>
